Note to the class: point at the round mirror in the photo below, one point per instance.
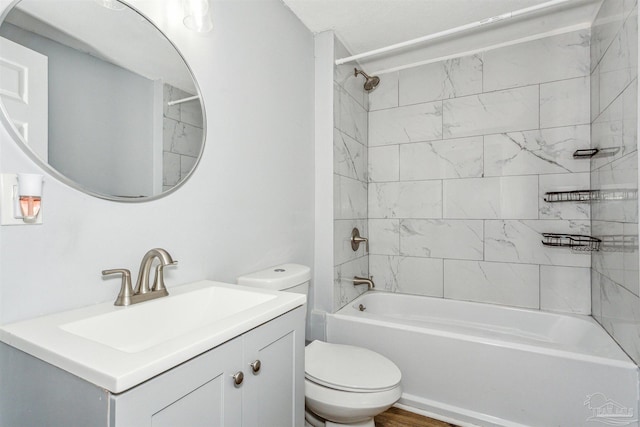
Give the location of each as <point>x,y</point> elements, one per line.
<point>97,94</point>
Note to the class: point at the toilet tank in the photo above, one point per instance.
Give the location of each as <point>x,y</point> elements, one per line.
<point>285,277</point>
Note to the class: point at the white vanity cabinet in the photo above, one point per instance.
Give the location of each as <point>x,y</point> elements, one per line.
<point>198,392</point>
<point>202,391</point>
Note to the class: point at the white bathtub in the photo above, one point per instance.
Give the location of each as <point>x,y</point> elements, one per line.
<point>488,365</point>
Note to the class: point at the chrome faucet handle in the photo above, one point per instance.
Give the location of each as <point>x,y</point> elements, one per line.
<point>126,291</point>
<point>158,282</point>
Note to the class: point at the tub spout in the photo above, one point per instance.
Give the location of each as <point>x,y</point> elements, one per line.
<point>363,281</point>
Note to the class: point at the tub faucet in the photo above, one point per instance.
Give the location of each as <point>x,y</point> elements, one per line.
<point>143,292</point>
<point>363,281</point>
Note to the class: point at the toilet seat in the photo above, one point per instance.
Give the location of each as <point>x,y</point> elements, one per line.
<point>348,368</point>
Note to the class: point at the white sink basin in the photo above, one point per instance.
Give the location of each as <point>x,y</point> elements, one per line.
<point>141,326</point>
<point>119,347</point>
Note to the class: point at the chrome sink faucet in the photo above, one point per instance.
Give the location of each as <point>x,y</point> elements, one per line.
<point>143,291</point>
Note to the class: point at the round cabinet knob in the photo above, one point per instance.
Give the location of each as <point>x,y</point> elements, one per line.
<point>238,377</point>
<point>255,366</point>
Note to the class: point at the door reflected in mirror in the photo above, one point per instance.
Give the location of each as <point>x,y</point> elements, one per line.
<point>100,96</point>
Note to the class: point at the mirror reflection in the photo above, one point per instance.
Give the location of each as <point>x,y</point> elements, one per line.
<point>101,96</point>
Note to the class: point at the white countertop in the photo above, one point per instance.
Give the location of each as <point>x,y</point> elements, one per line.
<point>58,340</point>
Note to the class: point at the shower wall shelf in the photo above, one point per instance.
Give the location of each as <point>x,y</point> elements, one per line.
<point>576,242</point>
<point>587,153</point>
<point>568,196</point>
<point>591,195</point>
<point>619,243</point>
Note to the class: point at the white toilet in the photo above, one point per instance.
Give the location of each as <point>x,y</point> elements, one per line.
<point>344,385</point>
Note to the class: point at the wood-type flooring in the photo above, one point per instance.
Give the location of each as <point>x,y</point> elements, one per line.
<point>396,417</point>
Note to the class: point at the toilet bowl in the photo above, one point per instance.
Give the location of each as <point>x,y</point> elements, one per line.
<point>344,385</point>
<point>349,385</point>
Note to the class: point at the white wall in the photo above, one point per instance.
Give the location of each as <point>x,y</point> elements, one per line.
<point>249,204</point>
<point>322,289</point>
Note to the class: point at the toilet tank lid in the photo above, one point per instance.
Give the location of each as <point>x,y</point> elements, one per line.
<point>279,277</point>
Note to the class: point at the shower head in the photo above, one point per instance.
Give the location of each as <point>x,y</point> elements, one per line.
<point>372,81</point>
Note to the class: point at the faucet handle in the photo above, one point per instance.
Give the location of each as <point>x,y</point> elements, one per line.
<point>126,291</point>
<point>356,239</point>
<point>158,282</point>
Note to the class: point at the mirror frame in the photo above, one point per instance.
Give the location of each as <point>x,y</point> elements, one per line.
<point>17,138</point>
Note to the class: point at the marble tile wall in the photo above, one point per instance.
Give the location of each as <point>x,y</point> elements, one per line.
<point>350,179</point>
<point>460,155</point>
<point>182,136</point>
<point>615,290</point>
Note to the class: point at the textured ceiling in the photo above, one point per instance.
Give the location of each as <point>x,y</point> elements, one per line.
<point>363,25</point>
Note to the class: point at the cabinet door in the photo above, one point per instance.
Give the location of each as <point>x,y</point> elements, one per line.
<point>274,395</point>
<point>198,393</point>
